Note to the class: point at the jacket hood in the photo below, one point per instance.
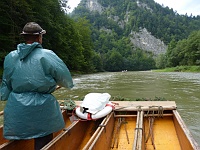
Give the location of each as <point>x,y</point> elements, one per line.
<point>25,49</point>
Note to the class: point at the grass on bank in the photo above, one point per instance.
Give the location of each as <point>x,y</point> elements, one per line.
<point>180,69</point>
<point>121,98</point>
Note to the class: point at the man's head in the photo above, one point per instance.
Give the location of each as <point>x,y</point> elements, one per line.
<point>33,33</point>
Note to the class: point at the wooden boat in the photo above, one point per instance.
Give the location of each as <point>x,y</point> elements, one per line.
<point>136,125</point>
<point>27,144</point>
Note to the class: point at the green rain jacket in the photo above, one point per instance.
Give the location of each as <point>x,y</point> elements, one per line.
<point>30,75</point>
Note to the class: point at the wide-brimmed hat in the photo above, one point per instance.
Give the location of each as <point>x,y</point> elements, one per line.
<point>32,28</point>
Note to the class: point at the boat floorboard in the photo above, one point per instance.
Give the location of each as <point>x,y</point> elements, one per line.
<point>127,129</point>
<point>164,134</point>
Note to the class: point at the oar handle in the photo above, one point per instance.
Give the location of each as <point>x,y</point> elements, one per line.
<point>1,113</point>
<point>57,87</point>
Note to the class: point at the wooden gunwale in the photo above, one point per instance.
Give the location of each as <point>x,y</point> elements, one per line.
<point>75,131</point>
<point>91,140</point>
<point>2,139</point>
<point>27,144</point>
<point>103,136</point>
<point>184,135</point>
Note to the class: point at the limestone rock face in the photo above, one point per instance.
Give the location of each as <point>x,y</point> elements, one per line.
<point>93,5</point>
<point>142,39</point>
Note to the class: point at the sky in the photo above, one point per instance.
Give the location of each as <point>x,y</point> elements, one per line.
<point>73,4</point>
<point>181,6</point>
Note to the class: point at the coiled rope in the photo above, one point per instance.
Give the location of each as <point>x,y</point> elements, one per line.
<point>68,104</point>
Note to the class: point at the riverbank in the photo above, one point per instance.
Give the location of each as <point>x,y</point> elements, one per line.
<point>173,69</point>
<point>180,69</point>
<point>73,73</point>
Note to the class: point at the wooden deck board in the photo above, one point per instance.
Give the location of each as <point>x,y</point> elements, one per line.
<point>134,105</point>
<point>123,141</point>
<point>164,134</point>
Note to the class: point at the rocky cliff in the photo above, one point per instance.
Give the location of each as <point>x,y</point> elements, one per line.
<point>142,39</point>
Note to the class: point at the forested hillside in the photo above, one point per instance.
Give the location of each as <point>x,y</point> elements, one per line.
<point>114,22</point>
<point>106,35</point>
<point>124,16</point>
<point>70,40</point>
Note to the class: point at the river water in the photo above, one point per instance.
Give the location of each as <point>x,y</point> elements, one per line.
<point>183,88</point>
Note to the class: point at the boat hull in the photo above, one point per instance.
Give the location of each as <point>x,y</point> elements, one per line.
<point>27,144</point>
<point>132,125</point>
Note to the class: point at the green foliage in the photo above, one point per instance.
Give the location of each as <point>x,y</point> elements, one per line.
<point>114,61</point>
<point>70,40</point>
<point>112,27</point>
<point>150,99</point>
<point>13,13</point>
<point>91,41</point>
<point>97,62</point>
<point>141,60</point>
<point>180,69</point>
<point>84,58</point>
<point>161,61</point>
<point>120,98</point>
<point>185,52</point>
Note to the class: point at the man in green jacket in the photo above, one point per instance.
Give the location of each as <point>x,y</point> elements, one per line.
<point>30,75</point>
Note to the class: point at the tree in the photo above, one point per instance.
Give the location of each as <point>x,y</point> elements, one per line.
<point>184,52</point>
<point>170,54</point>
<point>83,28</point>
<point>193,47</point>
<point>161,61</point>
<point>68,42</point>
<point>13,16</point>
<point>97,62</point>
<point>114,61</point>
